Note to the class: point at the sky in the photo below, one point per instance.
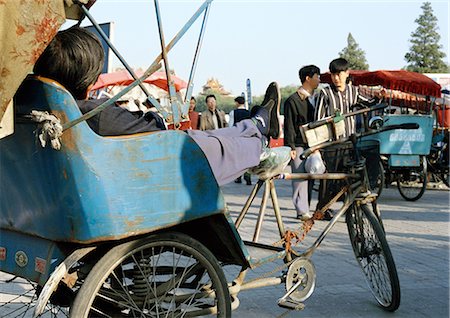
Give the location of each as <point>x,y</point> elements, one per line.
<point>266,40</point>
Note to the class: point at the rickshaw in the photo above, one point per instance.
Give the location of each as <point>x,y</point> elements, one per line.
<point>410,98</point>
<point>137,225</point>
<point>438,159</point>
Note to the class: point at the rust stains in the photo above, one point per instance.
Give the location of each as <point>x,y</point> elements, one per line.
<point>134,223</point>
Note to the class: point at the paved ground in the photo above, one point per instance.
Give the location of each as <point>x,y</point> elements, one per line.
<point>418,233</point>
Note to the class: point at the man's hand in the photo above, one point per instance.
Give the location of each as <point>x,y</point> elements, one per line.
<point>293,154</point>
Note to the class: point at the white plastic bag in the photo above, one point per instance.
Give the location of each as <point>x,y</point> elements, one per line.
<point>314,163</point>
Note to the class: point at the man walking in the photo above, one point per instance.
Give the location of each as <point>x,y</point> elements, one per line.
<point>299,110</point>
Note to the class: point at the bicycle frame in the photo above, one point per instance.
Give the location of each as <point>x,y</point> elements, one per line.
<point>356,191</point>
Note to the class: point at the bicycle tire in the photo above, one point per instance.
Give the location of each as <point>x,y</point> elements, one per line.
<point>374,255</point>
<point>160,275</point>
<point>407,181</point>
<point>376,186</point>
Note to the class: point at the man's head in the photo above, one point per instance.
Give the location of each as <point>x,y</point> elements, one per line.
<point>239,101</point>
<point>339,72</point>
<point>74,58</point>
<point>309,76</point>
<point>211,102</point>
<point>192,103</point>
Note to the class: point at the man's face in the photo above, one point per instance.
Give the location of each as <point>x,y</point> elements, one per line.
<point>211,103</point>
<point>191,105</point>
<point>314,81</point>
<point>339,79</point>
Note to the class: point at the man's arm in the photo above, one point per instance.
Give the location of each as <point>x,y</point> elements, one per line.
<point>231,121</point>
<point>289,124</point>
<point>321,105</point>
<point>364,100</point>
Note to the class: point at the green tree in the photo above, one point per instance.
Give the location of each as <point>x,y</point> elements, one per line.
<point>425,55</point>
<point>355,56</point>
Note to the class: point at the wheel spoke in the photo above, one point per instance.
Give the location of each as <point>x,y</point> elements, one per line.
<point>373,255</point>
<point>157,278</point>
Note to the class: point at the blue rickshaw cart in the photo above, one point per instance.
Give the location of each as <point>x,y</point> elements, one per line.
<point>137,225</point>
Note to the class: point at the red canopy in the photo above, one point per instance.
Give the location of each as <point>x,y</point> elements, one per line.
<point>123,78</point>
<point>405,81</point>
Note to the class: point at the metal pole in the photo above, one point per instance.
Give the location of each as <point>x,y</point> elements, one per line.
<point>113,48</point>
<point>194,62</point>
<point>262,211</point>
<point>248,203</point>
<point>170,86</point>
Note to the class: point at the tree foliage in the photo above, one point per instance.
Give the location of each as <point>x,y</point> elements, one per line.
<point>355,56</point>
<point>425,55</point>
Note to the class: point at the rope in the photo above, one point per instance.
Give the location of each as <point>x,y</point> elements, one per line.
<point>49,128</point>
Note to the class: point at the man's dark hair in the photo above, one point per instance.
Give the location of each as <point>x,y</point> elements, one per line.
<point>338,65</point>
<point>308,70</point>
<point>213,96</point>
<point>240,100</point>
<point>193,98</point>
<point>74,58</point>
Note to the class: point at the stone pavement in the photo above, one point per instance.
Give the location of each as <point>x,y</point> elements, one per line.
<point>418,234</point>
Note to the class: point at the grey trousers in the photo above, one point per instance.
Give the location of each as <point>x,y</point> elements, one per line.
<point>300,195</point>
<point>230,151</point>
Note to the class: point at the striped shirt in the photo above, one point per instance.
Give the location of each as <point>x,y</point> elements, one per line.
<point>331,99</point>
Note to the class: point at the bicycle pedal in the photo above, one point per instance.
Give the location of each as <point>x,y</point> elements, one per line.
<point>291,304</point>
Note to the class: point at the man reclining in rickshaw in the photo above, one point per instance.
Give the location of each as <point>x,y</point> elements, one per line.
<point>75,59</point>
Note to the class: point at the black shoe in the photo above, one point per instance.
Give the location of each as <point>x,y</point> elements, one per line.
<point>248,179</point>
<point>238,180</point>
<point>267,114</point>
<point>328,215</point>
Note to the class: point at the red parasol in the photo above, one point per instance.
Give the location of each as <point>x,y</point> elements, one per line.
<point>123,78</point>
<point>405,81</point>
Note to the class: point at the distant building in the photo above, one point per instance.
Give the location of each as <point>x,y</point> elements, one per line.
<point>214,84</point>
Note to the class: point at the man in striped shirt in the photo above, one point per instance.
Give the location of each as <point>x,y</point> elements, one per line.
<point>338,96</point>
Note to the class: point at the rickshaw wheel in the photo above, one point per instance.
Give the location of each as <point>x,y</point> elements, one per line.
<point>412,183</point>
<point>19,297</point>
<point>159,276</point>
<point>301,269</point>
<point>374,255</point>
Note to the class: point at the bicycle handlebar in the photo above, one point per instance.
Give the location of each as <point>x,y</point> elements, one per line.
<point>324,121</point>
<point>355,136</point>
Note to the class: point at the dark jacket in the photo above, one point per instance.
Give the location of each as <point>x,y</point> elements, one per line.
<point>240,114</point>
<point>298,111</point>
<point>116,121</point>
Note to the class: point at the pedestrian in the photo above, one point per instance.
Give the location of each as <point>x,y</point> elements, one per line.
<point>194,116</point>
<point>299,110</point>
<point>236,115</point>
<point>212,118</point>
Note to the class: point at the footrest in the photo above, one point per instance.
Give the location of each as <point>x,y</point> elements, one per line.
<point>290,304</point>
